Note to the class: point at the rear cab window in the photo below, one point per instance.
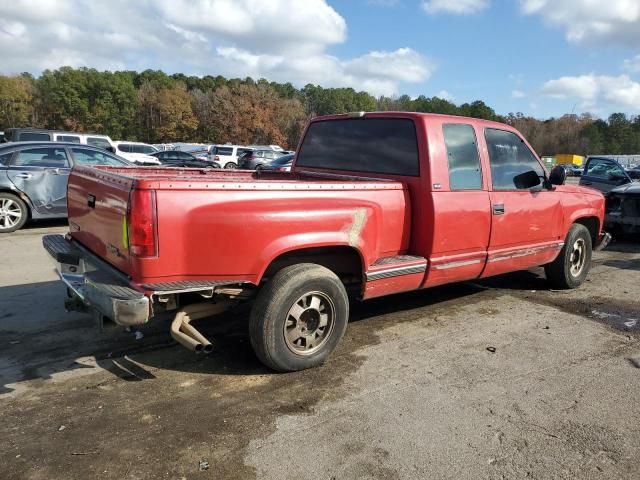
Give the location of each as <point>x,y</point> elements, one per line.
<point>372,145</point>
<point>462,157</point>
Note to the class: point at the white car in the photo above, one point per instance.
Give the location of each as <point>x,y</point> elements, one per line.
<point>136,152</point>
<point>227,155</point>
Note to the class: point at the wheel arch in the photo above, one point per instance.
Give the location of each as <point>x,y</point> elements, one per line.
<point>592,224</point>
<point>343,260</point>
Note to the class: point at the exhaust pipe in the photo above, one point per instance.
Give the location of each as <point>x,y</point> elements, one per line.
<point>185,334</point>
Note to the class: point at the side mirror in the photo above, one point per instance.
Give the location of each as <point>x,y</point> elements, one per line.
<point>526,180</point>
<point>110,149</point>
<point>558,175</point>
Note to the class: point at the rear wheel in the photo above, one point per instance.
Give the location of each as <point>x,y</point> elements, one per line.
<point>230,166</point>
<point>299,317</point>
<point>570,268</point>
<point>13,213</point>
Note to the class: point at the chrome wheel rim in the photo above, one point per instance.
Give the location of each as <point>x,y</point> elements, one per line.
<point>309,323</point>
<point>230,166</point>
<point>10,213</point>
<point>578,255</point>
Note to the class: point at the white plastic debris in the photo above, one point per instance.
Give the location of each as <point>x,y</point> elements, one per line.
<point>139,335</point>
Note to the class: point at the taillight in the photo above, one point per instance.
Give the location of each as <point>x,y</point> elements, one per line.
<point>142,223</point>
<point>217,157</point>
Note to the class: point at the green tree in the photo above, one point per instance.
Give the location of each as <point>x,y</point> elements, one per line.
<point>15,101</point>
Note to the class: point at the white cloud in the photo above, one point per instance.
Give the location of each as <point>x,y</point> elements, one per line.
<point>632,64</point>
<point>591,21</point>
<point>455,7</point>
<point>282,40</point>
<point>445,95</point>
<point>620,91</point>
<point>518,94</point>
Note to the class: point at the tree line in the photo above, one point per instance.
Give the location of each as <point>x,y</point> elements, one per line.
<point>154,107</point>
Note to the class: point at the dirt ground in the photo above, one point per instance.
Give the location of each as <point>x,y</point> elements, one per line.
<point>501,378</point>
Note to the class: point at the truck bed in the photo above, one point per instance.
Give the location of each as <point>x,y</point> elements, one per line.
<point>214,225</point>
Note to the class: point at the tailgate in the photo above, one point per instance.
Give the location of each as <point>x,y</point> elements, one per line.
<point>97,202</point>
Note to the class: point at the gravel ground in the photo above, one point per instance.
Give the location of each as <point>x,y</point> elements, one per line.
<point>501,378</point>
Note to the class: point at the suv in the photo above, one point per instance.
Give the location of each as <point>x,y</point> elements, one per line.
<point>136,152</point>
<point>42,135</point>
<point>258,159</point>
<point>227,155</point>
<point>603,174</point>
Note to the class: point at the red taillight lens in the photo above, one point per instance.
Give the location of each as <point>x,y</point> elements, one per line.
<point>142,223</point>
<point>217,157</point>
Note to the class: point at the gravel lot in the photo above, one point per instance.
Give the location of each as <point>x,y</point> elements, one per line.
<point>495,379</point>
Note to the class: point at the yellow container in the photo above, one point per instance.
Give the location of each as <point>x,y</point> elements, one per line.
<point>565,158</point>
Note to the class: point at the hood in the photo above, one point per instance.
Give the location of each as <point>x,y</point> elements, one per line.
<point>632,188</point>
<point>578,189</point>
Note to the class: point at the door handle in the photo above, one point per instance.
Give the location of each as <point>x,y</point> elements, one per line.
<point>26,176</point>
<point>498,208</point>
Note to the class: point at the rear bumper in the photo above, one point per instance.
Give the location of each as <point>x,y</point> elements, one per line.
<point>603,241</point>
<point>95,284</point>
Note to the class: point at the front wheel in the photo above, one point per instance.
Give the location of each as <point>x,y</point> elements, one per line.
<point>570,268</point>
<point>13,213</point>
<point>299,317</point>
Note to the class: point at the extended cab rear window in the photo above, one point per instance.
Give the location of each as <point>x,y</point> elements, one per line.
<point>374,145</point>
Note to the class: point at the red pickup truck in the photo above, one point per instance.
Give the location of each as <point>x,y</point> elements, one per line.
<point>375,204</point>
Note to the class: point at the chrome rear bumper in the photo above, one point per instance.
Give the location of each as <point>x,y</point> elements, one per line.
<point>96,285</point>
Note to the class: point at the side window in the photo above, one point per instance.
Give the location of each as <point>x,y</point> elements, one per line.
<point>462,155</point>
<point>85,156</point>
<point>34,137</point>
<point>124,147</point>
<point>42,157</point>
<point>604,169</point>
<point>509,156</point>
<point>98,142</point>
<point>68,138</point>
<point>148,149</point>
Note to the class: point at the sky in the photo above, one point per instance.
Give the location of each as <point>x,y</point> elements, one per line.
<point>540,57</point>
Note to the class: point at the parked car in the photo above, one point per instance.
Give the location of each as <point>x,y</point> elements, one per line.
<point>227,155</point>
<point>623,209</point>
<point>634,173</point>
<point>572,170</point>
<point>43,135</point>
<point>33,183</point>
<point>136,152</point>
<point>257,159</point>
<point>603,174</point>
<point>280,164</point>
<point>175,158</point>
<point>376,207</point>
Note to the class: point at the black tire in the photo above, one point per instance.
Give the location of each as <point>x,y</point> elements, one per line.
<point>13,205</point>
<point>230,166</point>
<point>271,317</point>
<point>563,272</point>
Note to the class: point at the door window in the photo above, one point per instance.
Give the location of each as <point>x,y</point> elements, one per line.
<point>509,156</point>
<point>34,137</point>
<point>43,157</point>
<point>604,169</point>
<point>5,158</point>
<point>85,156</point>
<point>462,155</point>
<point>124,147</point>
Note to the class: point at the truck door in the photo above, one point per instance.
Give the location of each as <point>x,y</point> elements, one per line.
<point>42,174</point>
<point>603,174</point>
<point>461,220</point>
<point>526,223</point>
